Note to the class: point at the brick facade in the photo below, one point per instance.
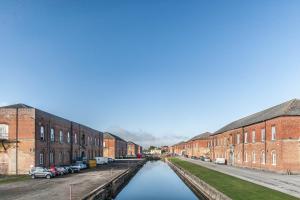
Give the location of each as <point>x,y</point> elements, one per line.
<point>44,139</point>
<point>113,146</point>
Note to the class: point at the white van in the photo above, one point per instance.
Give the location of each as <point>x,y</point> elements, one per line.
<point>101,160</point>
<point>220,161</point>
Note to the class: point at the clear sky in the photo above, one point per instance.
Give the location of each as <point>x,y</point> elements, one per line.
<point>169,69</point>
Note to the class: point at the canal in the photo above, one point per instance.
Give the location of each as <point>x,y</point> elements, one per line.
<point>156,180</point>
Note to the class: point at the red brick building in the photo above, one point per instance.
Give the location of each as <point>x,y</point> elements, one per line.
<point>198,145</point>
<point>267,140</point>
<point>31,137</point>
<point>114,146</point>
<point>179,148</point>
<point>132,149</point>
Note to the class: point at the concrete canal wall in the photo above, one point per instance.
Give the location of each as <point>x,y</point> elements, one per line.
<point>112,188</point>
<point>201,188</point>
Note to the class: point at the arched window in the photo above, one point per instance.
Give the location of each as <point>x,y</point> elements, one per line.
<point>68,139</point>
<point>253,157</point>
<point>42,133</point>
<point>238,156</point>
<point>3,131</point>
<point>263,158</point>
<point>51,157</point>
<point>246,138</point>
<point>274,159</point>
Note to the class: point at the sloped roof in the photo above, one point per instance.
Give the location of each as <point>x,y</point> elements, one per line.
<point>19,105</point>
<point>289,108</point>
<point>107,134</point>
<point>179,143</point>
<point>200,136</point>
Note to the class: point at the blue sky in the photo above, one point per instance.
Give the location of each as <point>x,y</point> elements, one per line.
<point>167,69</point>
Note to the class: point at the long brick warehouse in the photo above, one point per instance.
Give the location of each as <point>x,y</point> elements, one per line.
<point>31,137</point>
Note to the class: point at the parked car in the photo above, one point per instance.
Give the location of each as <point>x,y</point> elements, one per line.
<point>207,159</point>
<point>79,165</point>
<point>220,161</point>
<point>101,160</point>
<point>68,169</point>
<point>62,170</point>
<point>110,160</point>
<point>40,172</point>
<point>76,168</point>
<point>54,171</point>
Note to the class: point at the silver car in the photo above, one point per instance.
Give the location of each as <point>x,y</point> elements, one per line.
<point>40,172</point>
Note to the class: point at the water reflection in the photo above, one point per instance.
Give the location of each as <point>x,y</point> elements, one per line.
<point>156,180</point>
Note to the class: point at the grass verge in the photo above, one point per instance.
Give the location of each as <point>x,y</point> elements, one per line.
<point>233,187</point>
<point>13,178</point>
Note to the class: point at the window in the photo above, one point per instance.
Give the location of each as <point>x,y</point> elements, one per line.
<point>246,138</point>
<point>52,135</point>
<point>263,135</point>
<point>68,139</point>
<point>238,138</point>
<point>95,142</point>
<point>3,131</point>
<point>105,145</point>
<point>60,157</point>
<point>75,138</point>
<point>42,133</point>
<point>246,157</point>
<point>41,158</point>
<point>51,157</point>
<point>273,154</point>
<point>238,156</point>
<point>253,136</point>
<point>263,158</point>
<point>88,140</point>
<point>61,137</point>
<point>273,133</point>
<point>253,157</point>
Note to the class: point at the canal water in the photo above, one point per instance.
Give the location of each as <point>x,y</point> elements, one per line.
<point>156,180</point>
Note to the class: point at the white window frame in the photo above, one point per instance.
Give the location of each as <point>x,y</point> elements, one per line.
<point>52,135</point>
<point>246,157</point>
<point>4,131</point>
<point>41,158</point>
<point>51,157</point>
<point>263,158</point>
<point>274,158</point>
<point>253,136</point>
<point>273,133</point>
<point>68,137</point>
<point>42,133</point>
<point>61,138</point>
<point>238,138</point>
<point>246,138</point>
<point>253,157</point>
<point>75,138</point>
<point>263,135</point>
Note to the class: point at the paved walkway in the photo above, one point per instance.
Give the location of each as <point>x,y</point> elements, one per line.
<point>289,184</point>
<point>59,188</point>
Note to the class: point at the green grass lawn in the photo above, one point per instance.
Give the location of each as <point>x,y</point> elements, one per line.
<point>13,178</point>
<point>233,187</point>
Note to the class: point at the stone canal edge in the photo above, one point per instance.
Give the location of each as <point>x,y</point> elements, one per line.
<point>201,188</point>
<point>110,189</point>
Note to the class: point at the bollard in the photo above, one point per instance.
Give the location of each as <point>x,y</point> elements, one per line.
<point>70,191</point>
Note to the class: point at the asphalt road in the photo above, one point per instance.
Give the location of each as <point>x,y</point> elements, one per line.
<point>59,187</point>
<point>289,184</point>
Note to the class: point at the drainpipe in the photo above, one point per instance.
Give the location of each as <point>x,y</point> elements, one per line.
<point>71,142</point>
<point>17,139</point>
